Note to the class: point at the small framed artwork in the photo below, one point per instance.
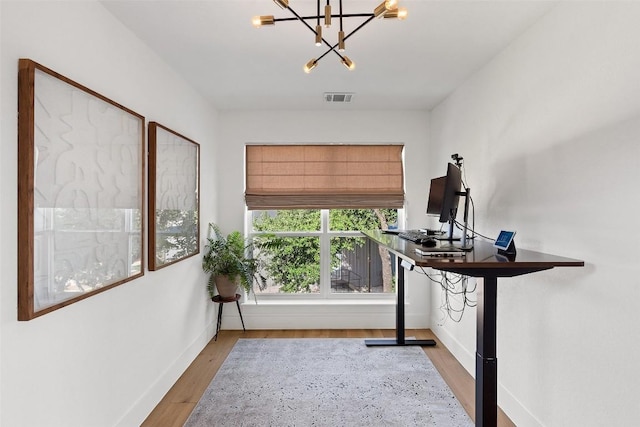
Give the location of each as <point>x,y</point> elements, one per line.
<point>80,192</point>
<point>174,203</point>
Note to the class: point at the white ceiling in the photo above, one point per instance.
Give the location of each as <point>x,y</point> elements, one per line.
<point>410,64</point>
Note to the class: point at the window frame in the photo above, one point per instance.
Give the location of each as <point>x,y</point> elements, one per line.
<point>325,235</point>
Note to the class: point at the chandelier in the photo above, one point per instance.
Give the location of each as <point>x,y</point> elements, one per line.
<point>386,9</point>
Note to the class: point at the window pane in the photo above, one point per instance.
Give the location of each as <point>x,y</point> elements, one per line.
<point>362,219</point>
<point>359,266</point>
<point>292,266</point>
<point>286,220</point>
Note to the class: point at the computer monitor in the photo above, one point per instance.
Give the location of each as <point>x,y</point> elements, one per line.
<point>451,195</point>
<point>436,196</point>
<point>444,194</point>
<point>444,197</point>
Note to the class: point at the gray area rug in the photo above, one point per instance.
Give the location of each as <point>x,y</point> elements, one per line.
<point>326,382</point>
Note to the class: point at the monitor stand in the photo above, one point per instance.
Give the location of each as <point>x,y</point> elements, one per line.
<point>465,245</point>
<point>448,239</point>
<point>449,235</point>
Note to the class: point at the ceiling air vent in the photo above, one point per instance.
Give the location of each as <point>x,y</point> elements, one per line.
<point>339,97</point>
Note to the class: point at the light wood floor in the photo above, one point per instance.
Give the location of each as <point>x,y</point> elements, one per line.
<point>177,404</point>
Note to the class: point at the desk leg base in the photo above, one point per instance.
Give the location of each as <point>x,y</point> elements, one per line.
<point>486,392</point>
<point>394,342</point>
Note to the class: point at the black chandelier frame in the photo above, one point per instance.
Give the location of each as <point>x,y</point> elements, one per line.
<point>388,8</point>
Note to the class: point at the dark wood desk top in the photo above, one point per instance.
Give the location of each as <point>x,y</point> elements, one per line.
<point>482,261</point>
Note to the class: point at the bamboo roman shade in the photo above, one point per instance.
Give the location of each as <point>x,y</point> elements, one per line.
<point>324,176</point>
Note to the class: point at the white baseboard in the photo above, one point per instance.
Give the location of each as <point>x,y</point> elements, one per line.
<point>466,358</point>
<point>514,409</point>
<point>509,404</point>
<point>141,409</point>
<point>379,315</point>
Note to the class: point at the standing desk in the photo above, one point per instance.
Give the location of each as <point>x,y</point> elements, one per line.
<point>482,262</point>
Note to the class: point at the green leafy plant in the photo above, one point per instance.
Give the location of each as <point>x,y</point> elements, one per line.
<point>235,258</point>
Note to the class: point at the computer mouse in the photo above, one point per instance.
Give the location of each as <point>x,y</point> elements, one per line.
<point>428,242</point>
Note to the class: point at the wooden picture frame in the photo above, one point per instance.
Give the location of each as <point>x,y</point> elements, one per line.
<point>174,202</point>
<point>80,192</point>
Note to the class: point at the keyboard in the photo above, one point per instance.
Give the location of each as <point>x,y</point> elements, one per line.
<point>412,235</point>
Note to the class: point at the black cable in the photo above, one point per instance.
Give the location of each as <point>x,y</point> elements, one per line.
<point>448,283</point>
<point>460,227</point>
<point>455,292</point>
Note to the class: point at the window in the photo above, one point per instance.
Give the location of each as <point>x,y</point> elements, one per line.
<point>322,253</point>
<point>314,200</point>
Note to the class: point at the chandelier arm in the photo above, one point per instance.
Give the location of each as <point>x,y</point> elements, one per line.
<point>331,48</point>
<point>299,18</point>
<point>310,17</point>
<point>358,27</point>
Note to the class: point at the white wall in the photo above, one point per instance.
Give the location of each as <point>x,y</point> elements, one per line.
<point>407,127</point>
<point>3,196</point>
<point>549,131</point>
<point>106,360</point>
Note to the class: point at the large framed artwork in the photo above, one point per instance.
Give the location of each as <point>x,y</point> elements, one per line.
<point>80,192</point>
<point>174,204</point>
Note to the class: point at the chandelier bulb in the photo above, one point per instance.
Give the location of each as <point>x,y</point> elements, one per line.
<point>385,7</point>
<point>259,21</point>
<point>318,35</point>
<point>310,65</point>
<point>391,4</point>
<point>284,4</point>
<point>399,13</point>
<point>348,63</point>
<point>341,41</point>
<point>327,15</point>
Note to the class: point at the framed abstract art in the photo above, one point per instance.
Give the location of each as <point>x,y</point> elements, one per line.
<point>80,192</point>
<point>174,205</point>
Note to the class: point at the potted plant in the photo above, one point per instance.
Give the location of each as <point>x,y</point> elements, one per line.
<point>231,263</point>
